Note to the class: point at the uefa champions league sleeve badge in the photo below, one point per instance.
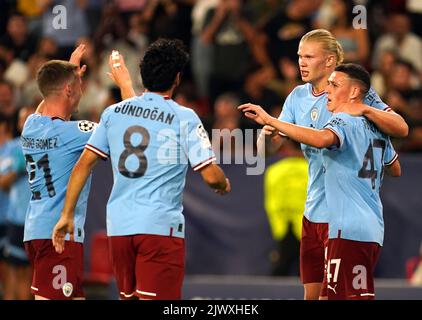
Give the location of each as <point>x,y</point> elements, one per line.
<point>86,126</point>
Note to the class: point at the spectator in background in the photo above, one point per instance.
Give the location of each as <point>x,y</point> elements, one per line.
<point>5,137</point>
<point>285,184</point>
<point>355,42</point>
<point>7,103</point>
<point>404,94</point>
<point>187,95</point>
<point>231,36</point>
<point>201,52</point>
<point>399,38</point>
<point>17,43</point>
<point>278,39</point>
<point>415,10</point>
<point>76,24</point>
<point>381,75</point>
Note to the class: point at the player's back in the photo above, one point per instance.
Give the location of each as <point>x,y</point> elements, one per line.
<point>147,138</point>
<point>353,178</point>
<point>51,147</point>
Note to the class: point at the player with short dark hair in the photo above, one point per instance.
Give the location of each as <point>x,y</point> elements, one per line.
<point>52,144</point>
<point>355,154</point>
<point>150,139</point>
<point>318,55</point>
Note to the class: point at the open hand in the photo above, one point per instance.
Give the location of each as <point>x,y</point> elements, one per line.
<point>256,113</point>
<point>119,73</point>
<point>63,227</point>
<point>76,58</point>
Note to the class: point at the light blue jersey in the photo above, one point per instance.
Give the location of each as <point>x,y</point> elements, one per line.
<point>5,164</point>
<point>304,108</point>
<point>353,178</point>
<point>51,148</point>
<point>149,140</point>
<point>19,194</point>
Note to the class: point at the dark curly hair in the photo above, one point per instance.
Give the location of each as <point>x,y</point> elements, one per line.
<point>163,60</point>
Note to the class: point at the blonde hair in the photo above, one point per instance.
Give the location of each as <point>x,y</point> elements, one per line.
<point>328,42</point>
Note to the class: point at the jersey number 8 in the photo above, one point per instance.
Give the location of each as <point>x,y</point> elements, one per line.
<point>137,151</point>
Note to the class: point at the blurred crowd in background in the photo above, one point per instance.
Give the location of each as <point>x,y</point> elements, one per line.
<point>241,50</point>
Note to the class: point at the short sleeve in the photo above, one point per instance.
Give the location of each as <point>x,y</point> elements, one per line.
<point>390,155</point>
<point>337,125</point>
<point>287,114</point>
<point>98,143</point>
<point>373,99</point>
<point>196,143</point>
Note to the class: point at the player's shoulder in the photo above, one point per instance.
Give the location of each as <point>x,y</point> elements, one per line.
<point>117,107</point>
<point>183,113</point>
<point>301,91</point>
<point>342,120</point>
<point>78,127</point>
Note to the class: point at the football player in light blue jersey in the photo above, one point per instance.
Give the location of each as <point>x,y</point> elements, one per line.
<point>15,181</point>
<point>150,139</point>
<point>5,150</point>
<point>354,160</point>
<point>319,53</point>
<point>52,144</point>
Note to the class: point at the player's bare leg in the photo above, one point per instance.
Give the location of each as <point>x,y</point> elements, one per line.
<point>312,290</point>
<point>24,276</point>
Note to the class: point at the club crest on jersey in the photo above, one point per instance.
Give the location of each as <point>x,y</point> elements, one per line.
<point>86,126</point>
<point>67,289</point>
<point>314,114</point>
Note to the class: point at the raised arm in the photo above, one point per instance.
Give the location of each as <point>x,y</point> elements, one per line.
<point>121,77</point>
<point>77,181</point>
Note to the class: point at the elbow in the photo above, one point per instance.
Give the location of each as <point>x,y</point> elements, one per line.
<point>404,130</point>
<point>397,172</point>
<point>323,142</point>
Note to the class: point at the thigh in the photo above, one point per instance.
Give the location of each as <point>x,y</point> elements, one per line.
<point>123,258</point>
<point>350,269</point>
<point>160,267</point>
<point>312,251</point>
<point>56,276</point>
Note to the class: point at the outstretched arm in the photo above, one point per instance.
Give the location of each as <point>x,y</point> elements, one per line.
<point>77,181</point>
<point>312,137</point>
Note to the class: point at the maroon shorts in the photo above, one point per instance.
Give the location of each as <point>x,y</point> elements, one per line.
<point>56,276</point>
<point>148,266</point>
<point>350,270</point>
<point>312,251</point>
